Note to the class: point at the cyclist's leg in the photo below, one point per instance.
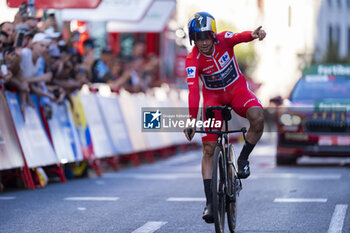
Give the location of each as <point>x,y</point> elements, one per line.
<point>255,116</point>
<point>246,104</point>
<point>209,143</point>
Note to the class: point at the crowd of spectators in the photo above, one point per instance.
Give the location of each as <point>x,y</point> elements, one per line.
<point>36,58</point>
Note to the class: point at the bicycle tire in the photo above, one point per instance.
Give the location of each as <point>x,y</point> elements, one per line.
<point>219,206</point>
<point>231,203</point>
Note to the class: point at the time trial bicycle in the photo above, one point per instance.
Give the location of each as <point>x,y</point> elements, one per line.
<point>226,184</point>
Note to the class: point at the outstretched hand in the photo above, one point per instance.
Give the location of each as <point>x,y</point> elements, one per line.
<point>189,133</point>
<point>259,33</point>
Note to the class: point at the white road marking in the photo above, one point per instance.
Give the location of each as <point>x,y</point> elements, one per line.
<point>155,176</point>
<point>297,176</point>
<point>320,177</point>
<point>336,225</point>
<point>299,200</point>
<point>254,176</point>
<point>7,198</point>
<point>91,198</point>
<point>81,208</point>
<point>149,227</point>
<point>186,199</point>
<point>100,182</point>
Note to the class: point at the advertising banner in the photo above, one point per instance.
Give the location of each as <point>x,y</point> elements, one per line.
<point>10,152</point>
<point>126,10</point>
<point>36,146</point>
<point>115,124</point>
<point>132,116</point>
<point>57,4</point>
<point>82,128</point>
<point>100,137</point>
<point>155,140</point>
<point>155,20</point>
<point>62,134</point>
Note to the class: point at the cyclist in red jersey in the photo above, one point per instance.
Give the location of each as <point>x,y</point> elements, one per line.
<point>212,60</point>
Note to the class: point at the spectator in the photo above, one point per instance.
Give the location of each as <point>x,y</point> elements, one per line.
<point>100,69</point>
<point>3,42</point>
<point>17,82</point>
<point>135,80</point>
<point>22,36</point>
<point>50,22</point>
<point>33,66</point>
<point>120,76</point>
<point>9,28</point>
<point>12,63</point>
<point>53,35</point>
<point>139,49</point>
<point>88,57</point>
<point>150,71</point>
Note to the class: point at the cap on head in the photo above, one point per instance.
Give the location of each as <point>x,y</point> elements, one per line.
<point>50,32</point>
<point>41,37</point>
<point>201,26</point>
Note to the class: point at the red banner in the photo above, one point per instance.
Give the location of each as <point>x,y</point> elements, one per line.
<point>58,4</point>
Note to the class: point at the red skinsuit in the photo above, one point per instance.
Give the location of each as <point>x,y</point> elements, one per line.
<point>223,82</point>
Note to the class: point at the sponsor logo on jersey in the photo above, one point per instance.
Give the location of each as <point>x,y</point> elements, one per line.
<point>228,34</point>
<point>220,79</point>
<point>191,71</point>
<point>207,68</point>
<point>224,59</point>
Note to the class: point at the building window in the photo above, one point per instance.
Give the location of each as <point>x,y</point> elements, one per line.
<point>330,37</point>
<point>339,3</point>
<point>337,35</point>
<point>330,3</point>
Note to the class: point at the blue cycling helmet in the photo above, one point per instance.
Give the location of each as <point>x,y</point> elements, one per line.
<point>201,26</point>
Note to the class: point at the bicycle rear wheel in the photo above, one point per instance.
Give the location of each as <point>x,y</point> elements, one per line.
<point>233,183</point>
<point>219,201</point>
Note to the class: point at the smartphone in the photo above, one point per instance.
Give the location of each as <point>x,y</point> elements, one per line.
<point>56,93</point>
<point>4,70</point>
<point>23,7</point>
<point>76,36</point>
<point>20,37</point>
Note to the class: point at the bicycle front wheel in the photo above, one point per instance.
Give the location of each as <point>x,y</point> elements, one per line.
<point>233,183</point>
<point>219,201</point>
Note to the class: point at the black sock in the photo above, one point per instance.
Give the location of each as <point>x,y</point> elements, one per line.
<point>207,190</point>
<point>246,150</point>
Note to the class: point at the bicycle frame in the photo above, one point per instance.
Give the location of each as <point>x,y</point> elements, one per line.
<point>226,193</point>
<point>223,143</point>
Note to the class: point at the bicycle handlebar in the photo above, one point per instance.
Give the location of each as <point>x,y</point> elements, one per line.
<point>208,108</point>
<point>242,130</point>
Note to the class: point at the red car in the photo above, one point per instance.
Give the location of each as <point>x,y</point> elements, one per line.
<point>315,119</point>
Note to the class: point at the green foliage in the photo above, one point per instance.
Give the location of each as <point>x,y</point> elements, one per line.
<point>332,55</point>
<point>245,53</point>
<point>246,58</point>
